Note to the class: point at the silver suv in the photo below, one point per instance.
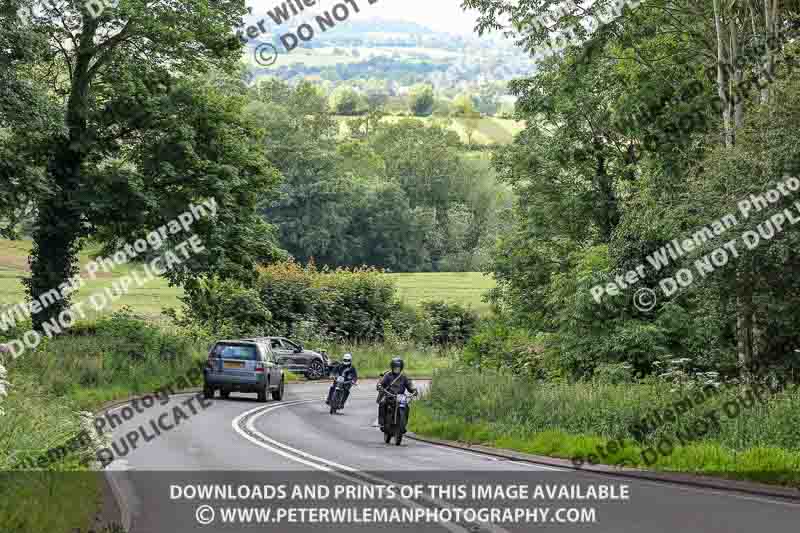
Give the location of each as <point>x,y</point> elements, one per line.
<point>243,366</point>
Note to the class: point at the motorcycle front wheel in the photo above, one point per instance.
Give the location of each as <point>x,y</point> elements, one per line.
<point>335,402</point>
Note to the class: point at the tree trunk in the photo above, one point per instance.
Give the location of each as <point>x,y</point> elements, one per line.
<point>723,82</point>
<point>729,77</point>
<point>736,80</point>
<point>771,40</point>
<point>609,215</point>
<point>57,238</point>
<point>744,316</point>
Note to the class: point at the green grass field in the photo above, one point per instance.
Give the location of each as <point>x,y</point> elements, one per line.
<point>465,288</point>
<point>332,56</point>
<point>490,130</point>
<point>147,300</point>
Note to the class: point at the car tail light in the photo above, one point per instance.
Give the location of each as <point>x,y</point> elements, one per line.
<point>259,367</point>
<point>210,362</point>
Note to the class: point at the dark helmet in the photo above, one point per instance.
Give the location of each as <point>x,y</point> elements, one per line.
<point>397,363</point>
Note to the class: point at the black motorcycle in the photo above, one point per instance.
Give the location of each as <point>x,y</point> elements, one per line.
<point>339,393</point>
<point>396,416</point>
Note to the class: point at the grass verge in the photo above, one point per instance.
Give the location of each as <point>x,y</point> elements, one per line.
<point>49,501</point>
<point>568,421</point>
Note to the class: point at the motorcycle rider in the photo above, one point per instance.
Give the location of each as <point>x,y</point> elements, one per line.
<point>395,382</point>
<point>347,370</point>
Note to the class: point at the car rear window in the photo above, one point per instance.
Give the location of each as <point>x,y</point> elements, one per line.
<point>245,352</point>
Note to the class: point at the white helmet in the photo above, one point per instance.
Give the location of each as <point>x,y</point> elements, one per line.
<point>347,359</point>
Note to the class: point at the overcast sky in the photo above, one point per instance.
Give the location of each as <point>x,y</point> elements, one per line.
<point>439,15</point>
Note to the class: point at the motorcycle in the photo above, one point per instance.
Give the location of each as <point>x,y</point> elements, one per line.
<point>339,392</point>
<point>396,416</point>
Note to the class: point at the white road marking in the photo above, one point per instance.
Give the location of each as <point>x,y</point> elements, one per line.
<point>537,466</point>
<point>257,442</point>
<point>662,484</point>
<point>325,465</point>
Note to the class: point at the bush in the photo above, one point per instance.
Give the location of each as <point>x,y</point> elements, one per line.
<point>346,101</point>
<point>357,302</point>
<point>450,323</point>
<point>613,373</point>
<point>225,308</point>
<point>344,305</point>
<point>287,291</point>
<point>352,304</point>
<point>496,345</point>
<point>421,100</point>
<point>409,325</point>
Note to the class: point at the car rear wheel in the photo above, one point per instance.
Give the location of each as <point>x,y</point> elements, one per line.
<point>224,394</point>
<point>262,395</point>
<point>315,369</point>
<point>277,395</point>
<point>208,392</point>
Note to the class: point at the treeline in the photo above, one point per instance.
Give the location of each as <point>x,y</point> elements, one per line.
<point>383,67</point>
<point>659,125</point>
<point>404,196</point>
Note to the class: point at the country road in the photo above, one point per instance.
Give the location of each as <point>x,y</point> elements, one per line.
<point>240,442</point>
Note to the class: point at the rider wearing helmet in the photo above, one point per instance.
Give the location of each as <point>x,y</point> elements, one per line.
<point>395,382</point>
<point>348,371</point>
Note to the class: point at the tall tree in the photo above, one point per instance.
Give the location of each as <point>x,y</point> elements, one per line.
<point>118,71</point>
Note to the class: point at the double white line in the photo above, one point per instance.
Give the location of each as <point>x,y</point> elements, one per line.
<point>244,425</point>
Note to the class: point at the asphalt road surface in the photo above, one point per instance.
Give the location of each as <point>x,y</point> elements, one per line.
<point>246,452</point>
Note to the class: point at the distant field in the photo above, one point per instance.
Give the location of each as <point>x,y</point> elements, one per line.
<point>465,288</point>
<point>331,56</point>
<point>147,300</point>
<point>327,56</point>
<point>490,130</point>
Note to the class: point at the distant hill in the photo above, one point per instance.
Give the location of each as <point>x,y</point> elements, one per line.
<point>377,25</point>
<point>348,28</point>
<point>382,49</point>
